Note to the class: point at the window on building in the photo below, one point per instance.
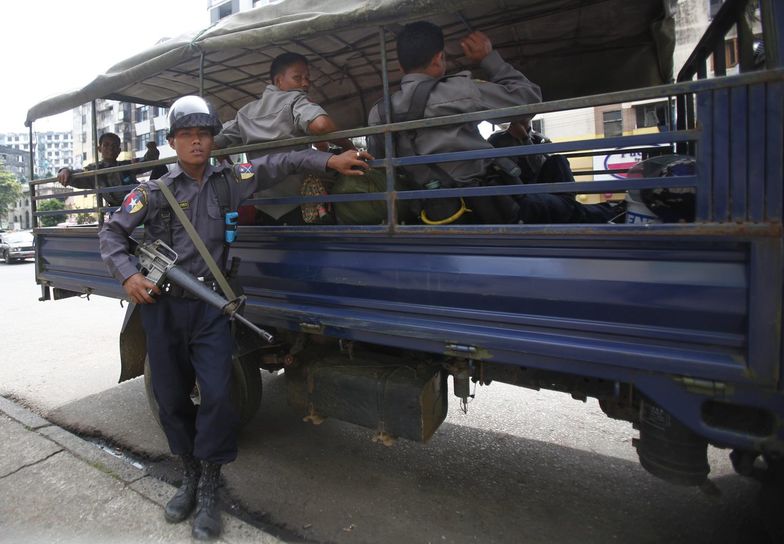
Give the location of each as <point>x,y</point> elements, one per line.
<point>613,123</point>
<point>84,137</point>
<point>142,113</point>
<point>538,125</point>
<point>160,137</point>
<point>730,54</point>
<point>139,143</point>
<point>651,115</point>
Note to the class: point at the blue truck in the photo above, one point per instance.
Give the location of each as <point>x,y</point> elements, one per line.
<point>673,325</point>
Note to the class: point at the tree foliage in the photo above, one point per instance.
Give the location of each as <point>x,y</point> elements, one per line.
<point>51,220</point>
<point>10,190</point>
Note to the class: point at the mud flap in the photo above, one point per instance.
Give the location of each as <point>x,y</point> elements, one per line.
<point>133,345</point>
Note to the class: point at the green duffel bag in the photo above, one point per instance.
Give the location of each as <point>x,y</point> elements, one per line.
<point>369,212</point>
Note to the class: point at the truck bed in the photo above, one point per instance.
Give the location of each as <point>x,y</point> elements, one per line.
<point>679,311</point>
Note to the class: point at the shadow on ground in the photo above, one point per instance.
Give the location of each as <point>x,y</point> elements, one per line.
<point>332,484</point>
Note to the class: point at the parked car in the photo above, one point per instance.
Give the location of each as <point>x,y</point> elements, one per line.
<point>17,245</point>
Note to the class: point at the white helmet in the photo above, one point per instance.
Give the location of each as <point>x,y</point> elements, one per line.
<point>192,111</point>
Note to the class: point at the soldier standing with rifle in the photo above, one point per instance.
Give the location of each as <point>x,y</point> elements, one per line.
<point>189,340</point>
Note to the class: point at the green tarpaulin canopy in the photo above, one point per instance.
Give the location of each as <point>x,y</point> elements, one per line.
<point>570,47</point>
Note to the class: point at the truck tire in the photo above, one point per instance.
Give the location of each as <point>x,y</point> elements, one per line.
<point>246,389</point>
<point>771,499</point>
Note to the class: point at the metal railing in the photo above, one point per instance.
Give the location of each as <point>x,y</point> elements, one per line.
<point>730,187</point>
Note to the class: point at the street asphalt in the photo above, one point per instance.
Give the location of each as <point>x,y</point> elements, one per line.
<point>56,487</point>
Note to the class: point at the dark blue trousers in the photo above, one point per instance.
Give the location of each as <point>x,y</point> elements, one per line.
<point>189,341</point>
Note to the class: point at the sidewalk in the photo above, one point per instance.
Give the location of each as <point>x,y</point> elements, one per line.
<point>56,487</point>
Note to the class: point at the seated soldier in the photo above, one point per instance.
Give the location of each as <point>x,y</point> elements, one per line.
<point>153,154</point>
<point>420,49</point>
<point>109,149</point>
<point>537,168</point>
<point>283,111</point>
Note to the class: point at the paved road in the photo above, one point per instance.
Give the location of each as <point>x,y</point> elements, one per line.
<point>521,466</point>
<point>54,352</point>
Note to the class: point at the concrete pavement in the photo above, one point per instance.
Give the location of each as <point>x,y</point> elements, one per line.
<point>56,487</point>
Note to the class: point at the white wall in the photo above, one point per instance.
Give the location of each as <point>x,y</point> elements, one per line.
<point>567,125</point>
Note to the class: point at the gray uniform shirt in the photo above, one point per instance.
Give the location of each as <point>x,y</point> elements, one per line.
<point>277,115</point>
<point>127,177</point>
<point>200,204</point>
<point>456,94</point>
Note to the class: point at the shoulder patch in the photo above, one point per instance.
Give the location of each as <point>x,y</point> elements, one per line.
<point>135,201</point>
<point>243,172</point>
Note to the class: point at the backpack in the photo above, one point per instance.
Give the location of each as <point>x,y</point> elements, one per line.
<point>368,212</point>
<point>502,209</point>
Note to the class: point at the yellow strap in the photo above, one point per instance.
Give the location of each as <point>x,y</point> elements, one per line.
<point>451,219</point>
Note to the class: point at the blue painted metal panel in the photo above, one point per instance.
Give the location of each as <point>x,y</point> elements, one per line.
<point>764,310</point>
<point>721,155</point>
<point>739,137</point>
<point>756,153</point>
<point>774,172</point>
<point>645,305</point>
<point>704,154</point>
<point>71,260</point>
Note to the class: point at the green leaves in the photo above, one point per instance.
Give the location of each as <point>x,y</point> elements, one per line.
<point>10,190</point>
<point>51,220</point>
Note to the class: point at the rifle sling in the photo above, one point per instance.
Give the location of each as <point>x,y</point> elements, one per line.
<point>197,241</point>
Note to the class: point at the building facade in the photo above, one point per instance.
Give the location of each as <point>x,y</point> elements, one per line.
<point>219,9</point>
<point>135,124</point>
<point>52,150</point>
<point>15,161</point>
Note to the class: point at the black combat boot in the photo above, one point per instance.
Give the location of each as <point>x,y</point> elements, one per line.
<point>182,503</point>
<point>207,522</point>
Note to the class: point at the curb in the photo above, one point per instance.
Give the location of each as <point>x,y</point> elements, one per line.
<point>133,478</point>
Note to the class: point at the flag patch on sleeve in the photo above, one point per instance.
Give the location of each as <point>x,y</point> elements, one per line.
<point>244,171</point>
<point>135,201</point>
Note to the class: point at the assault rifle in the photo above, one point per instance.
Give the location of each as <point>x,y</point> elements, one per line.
<point>157,262</point>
